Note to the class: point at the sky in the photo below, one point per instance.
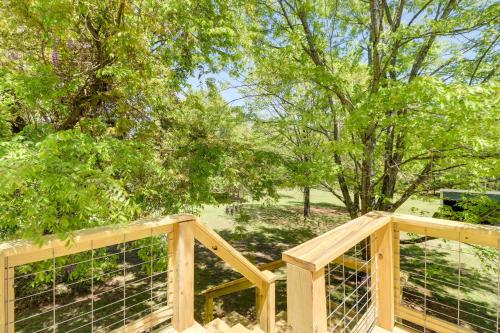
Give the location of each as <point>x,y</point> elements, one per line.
<point>227,84</point>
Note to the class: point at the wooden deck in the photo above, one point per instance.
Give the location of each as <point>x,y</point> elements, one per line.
<point>395,330</point>
<point>218,326</point>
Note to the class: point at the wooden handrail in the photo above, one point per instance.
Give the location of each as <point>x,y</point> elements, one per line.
<point>315,254</point>
<point>182,230</point>
<point>243,283</point>
<point>450,230</point>
<point>306,267</point>
<point>22,252</point>
<point>230,255</point>
<point>233,286</point>
<point>263,280</point>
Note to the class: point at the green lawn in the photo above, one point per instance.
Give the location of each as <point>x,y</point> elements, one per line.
<point>216,217</point>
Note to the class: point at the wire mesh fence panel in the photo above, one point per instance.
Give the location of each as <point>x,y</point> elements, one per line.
<point>453,284</point>
<point>351,290</point>
<point>99,290</point>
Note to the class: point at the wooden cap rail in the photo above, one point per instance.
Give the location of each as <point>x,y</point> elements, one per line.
<point>318,252</point>
<point>230,255</point>
<point>24,252</point>
<point>450,230</point>
<point>263,280</point>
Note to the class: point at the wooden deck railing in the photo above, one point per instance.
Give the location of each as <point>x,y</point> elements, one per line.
<point>181,230</point>
<point>243,283</point>
<point>388,290</point>
<point>391,270</point>
<point>234,286</point>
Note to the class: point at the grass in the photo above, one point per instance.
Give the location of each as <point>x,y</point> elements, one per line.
<point>216,217</point>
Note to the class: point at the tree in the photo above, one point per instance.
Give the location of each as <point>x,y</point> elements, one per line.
<point>286,124</point>
<point>410,88</point>
<point>96,124</point>
<point>119,61</point>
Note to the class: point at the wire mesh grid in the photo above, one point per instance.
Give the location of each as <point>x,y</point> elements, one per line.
<point>351,284</point>
<point>95,291</point>
<point>451,283</point>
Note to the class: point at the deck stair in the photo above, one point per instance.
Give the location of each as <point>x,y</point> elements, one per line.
<point>219,326</point>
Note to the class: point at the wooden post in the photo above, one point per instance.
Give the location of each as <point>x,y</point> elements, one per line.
<point>306,300</point>
<point>9,300</point>
<point>398,292</point>
<point>3,295</point>
<point>183,279</point>
<point>171,269</point>
<point>7,297</point>
<point>265,303</point>
<point>382,241</point>
<point>258,297</point>
<point>209,309</point>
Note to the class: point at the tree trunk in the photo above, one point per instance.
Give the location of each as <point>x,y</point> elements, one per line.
<point>307,202</point>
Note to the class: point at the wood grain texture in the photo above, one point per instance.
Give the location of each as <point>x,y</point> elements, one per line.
<point>3,294</point>
<point>430,322</point>
<point>266,304</point>
<point>147,321</point>
<point>451,230</point>
<point>24,252</point>
<point>10,296</point>
<point>383,243</point>
<point>230,255</point>
<point>306,300</point>
<point>183,275</point>
<point>318,252</point>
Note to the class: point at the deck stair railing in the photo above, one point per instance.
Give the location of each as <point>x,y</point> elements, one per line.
<point>377,271</point>
<point>235,286</point>
<point>420,274</point>
<point>131,278</point>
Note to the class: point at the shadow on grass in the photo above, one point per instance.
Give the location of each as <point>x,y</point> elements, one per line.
<point>447,288</point>
<point>262,233</point>
<point>337,208</point>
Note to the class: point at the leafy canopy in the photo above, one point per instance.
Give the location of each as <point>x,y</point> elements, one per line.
<point>406,92</point>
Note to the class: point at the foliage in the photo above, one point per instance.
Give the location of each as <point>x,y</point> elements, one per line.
<point>402,99</point>
<point>375,101</point>
<point>215,149</point>
<point>65,60</point>
<point>96,126</point>
<point>479,210</point>
<point>53,183</point>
